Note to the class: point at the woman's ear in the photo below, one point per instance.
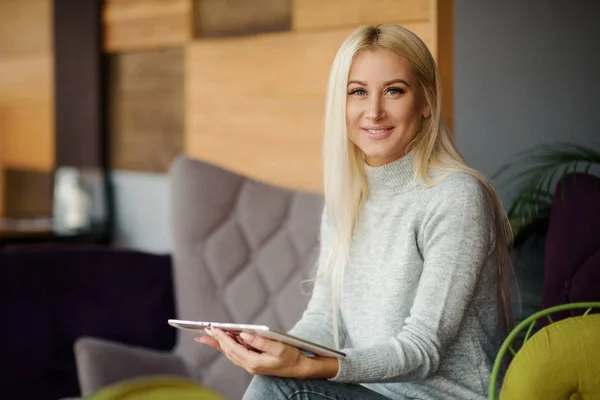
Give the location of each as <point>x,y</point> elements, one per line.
<point>426,112</point>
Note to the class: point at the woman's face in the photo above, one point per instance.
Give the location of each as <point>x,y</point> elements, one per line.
<point>385,103</point>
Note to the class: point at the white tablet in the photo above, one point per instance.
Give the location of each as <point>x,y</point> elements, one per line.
<point>260,330</point>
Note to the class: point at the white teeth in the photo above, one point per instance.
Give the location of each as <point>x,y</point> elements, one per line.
<point>376,130</point>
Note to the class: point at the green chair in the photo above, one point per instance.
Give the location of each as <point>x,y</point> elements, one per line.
<point>560,361</point>
<point>155,388</point>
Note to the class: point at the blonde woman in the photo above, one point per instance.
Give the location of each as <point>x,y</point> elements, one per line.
<point>412,280</point>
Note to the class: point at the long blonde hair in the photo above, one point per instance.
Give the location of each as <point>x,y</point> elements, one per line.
<point>345,184</point>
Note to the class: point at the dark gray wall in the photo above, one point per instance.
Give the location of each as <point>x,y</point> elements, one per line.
<point>526,72</point>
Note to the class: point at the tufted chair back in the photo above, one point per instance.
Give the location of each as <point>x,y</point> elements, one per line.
<point>572,272</point>
<point>241,250</point>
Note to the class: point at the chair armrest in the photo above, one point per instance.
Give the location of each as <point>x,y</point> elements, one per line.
<point>102,362</point>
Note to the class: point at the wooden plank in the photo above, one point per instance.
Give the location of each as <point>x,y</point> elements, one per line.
<point>79,86</point>
<point>319,14</point>
<point>146,109</point>
<point>256,114</point>
<point>2,197</point>
<point>444,39</point>
<point>25,27</point>
<point>215,18</point>
<point>28,193</point>
<point>143,24</point>
<point>26,112</point>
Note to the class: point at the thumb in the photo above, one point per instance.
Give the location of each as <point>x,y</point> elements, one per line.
<point>262,344</point>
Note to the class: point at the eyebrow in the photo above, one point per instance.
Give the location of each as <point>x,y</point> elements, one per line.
<point>385,83</point>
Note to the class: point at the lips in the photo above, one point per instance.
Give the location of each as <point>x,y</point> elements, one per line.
<point>377,133</point>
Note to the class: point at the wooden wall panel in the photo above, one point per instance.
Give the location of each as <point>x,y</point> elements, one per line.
<point>25,27</point>
<point>79,84</point>
<point>318,14</point>
<point>2,190</point>
<point>26,112</point>
<point>258,114</point>
<point>444,50</point>
<point>214,18</point>
<point>146,109</point>
<point>142,24</point>
<point>26,100</point>
<point>28,193</point>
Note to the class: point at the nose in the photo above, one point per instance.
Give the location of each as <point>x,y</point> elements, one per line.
<point>376,110</point>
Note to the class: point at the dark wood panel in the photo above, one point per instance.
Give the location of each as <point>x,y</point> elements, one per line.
<point>213,18</point>
<point>146,109</point>
<point>2,188</point>
<point>445,57</point>
<point>140,24</point>
<point>78,83</point>
<point>27,193</point>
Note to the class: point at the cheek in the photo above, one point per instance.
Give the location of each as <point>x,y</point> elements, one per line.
<point>353,116</point>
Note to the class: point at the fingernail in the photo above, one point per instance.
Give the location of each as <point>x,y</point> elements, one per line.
<point>248,337</point>
<point>197,339</point>
<point>209,331</point>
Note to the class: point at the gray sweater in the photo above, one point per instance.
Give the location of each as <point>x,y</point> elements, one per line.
<point>419,307</point>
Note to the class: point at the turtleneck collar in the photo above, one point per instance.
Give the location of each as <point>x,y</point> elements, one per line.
<point>392,178</point>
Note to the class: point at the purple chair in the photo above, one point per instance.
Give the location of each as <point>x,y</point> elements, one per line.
<point>572,271</point>
<point>50,297</point>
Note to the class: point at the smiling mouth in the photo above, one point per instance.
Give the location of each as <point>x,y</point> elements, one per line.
<point>379,133</point>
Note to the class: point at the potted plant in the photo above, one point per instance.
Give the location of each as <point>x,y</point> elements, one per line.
<point>534,174</point>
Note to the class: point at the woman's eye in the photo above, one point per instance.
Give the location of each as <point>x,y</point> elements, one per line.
<point>395,91</point>
<point>358,92</point>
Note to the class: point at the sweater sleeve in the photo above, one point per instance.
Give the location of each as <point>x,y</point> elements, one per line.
<point>456,237</point>
<point>316,324</point>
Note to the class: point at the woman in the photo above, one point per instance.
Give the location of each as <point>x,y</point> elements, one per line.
<point>413,269</point>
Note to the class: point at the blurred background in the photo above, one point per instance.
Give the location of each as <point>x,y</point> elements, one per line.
<point>97,98</point>
<point>121,90</point>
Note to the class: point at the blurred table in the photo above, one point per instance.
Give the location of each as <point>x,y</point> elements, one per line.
<point>38,231</point>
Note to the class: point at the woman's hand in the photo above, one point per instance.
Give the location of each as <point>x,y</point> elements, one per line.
<point>271,358</point>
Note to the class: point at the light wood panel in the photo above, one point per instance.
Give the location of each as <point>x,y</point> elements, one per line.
<point>142,24</point>
<point>26,112</point>
<point>25,27</point>
<point>258,114</point>
<point>214,18</point>
<point>26,101</point>
<point>146,109</point>
<point>26,134</point>
<point>320,14</point>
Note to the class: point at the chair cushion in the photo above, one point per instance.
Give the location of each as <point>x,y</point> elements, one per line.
<point>156,388</point>
<point>558,362</point>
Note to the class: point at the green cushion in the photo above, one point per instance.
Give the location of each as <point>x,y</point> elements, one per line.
<point>561,361</point>
<point>156,388</point>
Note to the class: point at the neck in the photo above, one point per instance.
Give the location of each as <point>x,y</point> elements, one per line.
<point>392,178</point>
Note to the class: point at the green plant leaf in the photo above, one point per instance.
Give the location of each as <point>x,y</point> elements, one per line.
<point>535,172</point>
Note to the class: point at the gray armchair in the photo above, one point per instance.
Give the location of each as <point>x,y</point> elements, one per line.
<point>241,250</point>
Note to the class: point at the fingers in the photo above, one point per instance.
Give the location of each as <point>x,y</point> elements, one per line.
<point>265,345</point>
<point>237,353</point>
<point>209,341</point>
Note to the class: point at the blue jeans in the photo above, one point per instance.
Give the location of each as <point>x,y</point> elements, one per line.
<point>271,387</point>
